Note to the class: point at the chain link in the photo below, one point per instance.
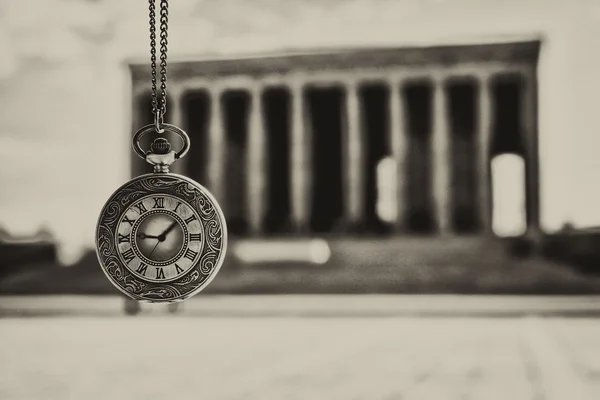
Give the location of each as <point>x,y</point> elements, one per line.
<point>159,102</point>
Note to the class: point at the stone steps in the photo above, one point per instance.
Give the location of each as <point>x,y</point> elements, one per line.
<point>395,252</point>
<point>397,265</point>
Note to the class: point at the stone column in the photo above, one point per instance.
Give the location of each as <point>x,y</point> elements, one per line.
<point>399,146</point>
<point>483,170</point>
<point>530,137</point>
<point>175,110</point>
<point>300,152</point>
<point>138,166</point>
<point>256,172</point>
<point>354,159</point>
<point>441,158</point>
<point>217,157</point>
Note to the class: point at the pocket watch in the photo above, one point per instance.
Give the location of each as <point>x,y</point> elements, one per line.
<point>161,237</point>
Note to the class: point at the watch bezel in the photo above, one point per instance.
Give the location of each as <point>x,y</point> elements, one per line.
<point>204,270</point>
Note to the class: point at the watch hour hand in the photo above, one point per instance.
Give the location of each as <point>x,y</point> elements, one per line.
<point>144,236</point>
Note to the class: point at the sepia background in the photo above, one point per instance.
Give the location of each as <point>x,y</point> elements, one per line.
<point>409,186</point>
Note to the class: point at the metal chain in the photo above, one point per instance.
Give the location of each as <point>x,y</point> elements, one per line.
<point>159,102</point>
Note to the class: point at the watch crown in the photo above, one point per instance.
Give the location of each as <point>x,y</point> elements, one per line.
<point>160,146</point>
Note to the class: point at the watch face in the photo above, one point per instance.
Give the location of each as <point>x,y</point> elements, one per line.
<point>161,238</point>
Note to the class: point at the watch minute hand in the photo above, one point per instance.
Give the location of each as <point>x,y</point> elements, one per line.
<point>157,243</point>
<point>169,229</point>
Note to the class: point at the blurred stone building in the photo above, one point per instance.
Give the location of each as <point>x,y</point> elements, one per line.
<point>292,143</point>
<point>308,117</point>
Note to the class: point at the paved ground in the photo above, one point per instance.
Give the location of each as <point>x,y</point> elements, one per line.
<point>189,356</point>
<point>314,305</point>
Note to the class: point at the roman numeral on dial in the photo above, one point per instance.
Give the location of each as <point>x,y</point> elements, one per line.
<point>177,206</point>
<point>159,202</point>
<point>190,254</point>
<point>142,269</point>
<point>178,269</point>
<point>194,236</point>
<point>128,256</point>
<point>141,207</point>
<point>123,238</point>
<point>190,219</point>
<point>129,221</point>
<point>160,273</point>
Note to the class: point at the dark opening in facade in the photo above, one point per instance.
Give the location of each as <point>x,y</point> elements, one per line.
<point>276,103</point>
<point>374,98</point>
<point>418,98</point>
<point>462,96</point>
<point>196,110</point>
<point>325,125</point>
<point>236,107</point>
